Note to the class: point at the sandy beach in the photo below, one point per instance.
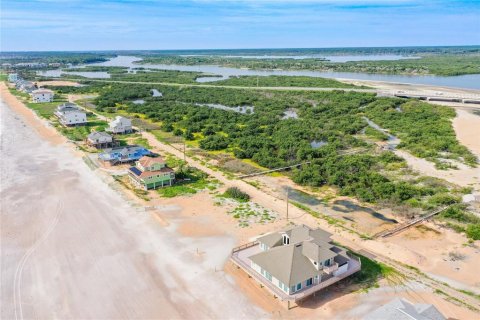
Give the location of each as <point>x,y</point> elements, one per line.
<point>71,247</point>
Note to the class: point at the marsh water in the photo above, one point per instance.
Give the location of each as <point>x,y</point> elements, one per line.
<point>471,81</point>
<point>337,58</point>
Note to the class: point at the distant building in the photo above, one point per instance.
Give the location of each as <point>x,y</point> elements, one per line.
<point>120,125</point>
<point>123,154</point>
<point>295,262</point>
<point>402,309</point>
<point>13,77</point>
<point>69,114</point>
<point>25,86</point>
<point>100,140</point>
<point>42,95</point>
<point>151,173</point>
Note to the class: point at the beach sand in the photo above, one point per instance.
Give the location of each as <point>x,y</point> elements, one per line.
<point>72,247</point>
<point>467,128</point>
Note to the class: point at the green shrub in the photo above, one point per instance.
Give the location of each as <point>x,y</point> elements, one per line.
<point>236,193</point>
<point>473,231</point>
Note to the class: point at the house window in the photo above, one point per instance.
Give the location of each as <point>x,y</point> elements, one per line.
<point>309,282</point>
<point>327,263</point>
<point>299,286</point>
<point>286,239</point>
<point>267,275</point>
<point>292,289</point>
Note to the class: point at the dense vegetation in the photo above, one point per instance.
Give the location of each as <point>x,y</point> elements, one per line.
<point>424,130</point>
<point>447,65</point>
<point>174,76</point>
<point>62,58</point>
<point>140,74</point>
<point>283,81</point>
<point>345,159</point>
<point>420,50</point>
<point>335,118</point>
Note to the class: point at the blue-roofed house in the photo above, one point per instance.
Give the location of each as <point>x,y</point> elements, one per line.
<point>123,154</point>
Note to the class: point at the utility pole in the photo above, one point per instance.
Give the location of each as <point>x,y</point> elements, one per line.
<point>288,189</point>
<point>184,150</point>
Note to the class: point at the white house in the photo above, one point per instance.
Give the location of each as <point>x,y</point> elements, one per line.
<point>120,125</point>
<point>99,139</point>
<point>295,262</point>
<point>13,77</point>
<point>69,114</point>
<point>42,95</point>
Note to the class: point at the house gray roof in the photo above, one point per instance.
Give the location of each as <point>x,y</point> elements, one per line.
<point>318,251</point>
<point>402,309</point>
<point>296,234</point>
<point>98,134</point>
<point>292,263</point>
<point>67,106</point>
<point>286,263</point>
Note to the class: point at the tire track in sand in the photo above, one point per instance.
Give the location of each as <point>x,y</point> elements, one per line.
<point>17,292</point>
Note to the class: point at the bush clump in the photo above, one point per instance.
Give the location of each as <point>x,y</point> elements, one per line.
<point>236,193</point>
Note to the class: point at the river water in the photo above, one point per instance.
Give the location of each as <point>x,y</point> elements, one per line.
<point>471,81</point>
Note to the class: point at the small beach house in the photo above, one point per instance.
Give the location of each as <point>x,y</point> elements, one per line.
<point>100,140</point>
<point>42,95</point>
<point>69,114</point>
<point>123,154</point>
<point>120,125</point>
<point>25,86</point>
<point>151,173</point>
<point>295,262</point>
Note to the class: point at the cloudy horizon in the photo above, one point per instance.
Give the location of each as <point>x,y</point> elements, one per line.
<point>74,25</point>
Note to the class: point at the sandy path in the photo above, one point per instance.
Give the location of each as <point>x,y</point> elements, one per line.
<point>71,247</point>
<point>58,83</point>
<point>467,128</point>
<point>465,176</point>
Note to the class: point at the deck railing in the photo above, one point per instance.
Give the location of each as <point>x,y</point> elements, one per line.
<point>331,268</point>
<point>244,246</point>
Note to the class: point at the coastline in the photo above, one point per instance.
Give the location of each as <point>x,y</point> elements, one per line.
<point>70,242</point>
<point>181,234</point>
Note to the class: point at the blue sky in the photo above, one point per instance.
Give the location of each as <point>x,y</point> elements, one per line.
<point>39,25</point>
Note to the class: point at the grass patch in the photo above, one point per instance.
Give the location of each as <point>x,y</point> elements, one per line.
<point>44,110</point>
<point>189,181</point>
<point>372,271</point>
<point>80,133</point>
